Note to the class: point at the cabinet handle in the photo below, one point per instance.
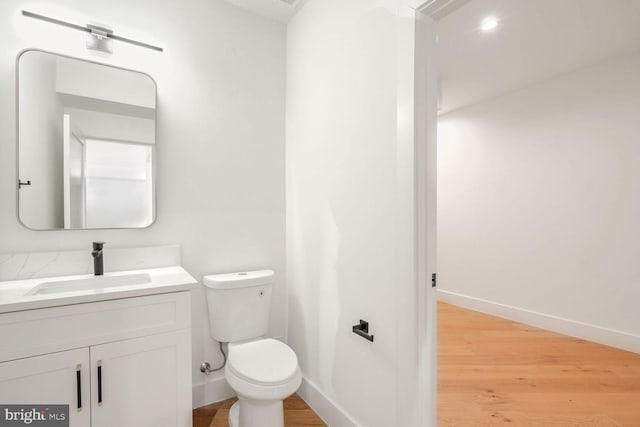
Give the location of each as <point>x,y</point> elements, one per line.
<point>79,386</point>
<point>99,382</point>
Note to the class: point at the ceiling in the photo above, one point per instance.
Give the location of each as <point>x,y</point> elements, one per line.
<point>534,40</point>
<point>279,10</point>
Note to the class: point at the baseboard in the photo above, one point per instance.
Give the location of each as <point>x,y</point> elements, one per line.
<point>210,392</point>
<point>585,331</point>
<point>331,413</point>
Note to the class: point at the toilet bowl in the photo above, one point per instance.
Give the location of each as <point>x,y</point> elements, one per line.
<point>262,371</point>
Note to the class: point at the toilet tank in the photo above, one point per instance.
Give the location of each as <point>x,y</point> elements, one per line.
<point>239,304</point>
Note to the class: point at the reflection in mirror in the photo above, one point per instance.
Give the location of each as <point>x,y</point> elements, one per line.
<point>86,141</point>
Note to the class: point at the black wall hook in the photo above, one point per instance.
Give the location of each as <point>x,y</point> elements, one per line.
<point>362,329</point>
<point>21,183</point>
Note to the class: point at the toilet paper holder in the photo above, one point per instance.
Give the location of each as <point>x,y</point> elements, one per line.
<point>362,329</point>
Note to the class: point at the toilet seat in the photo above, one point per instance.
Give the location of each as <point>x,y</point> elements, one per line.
<point>263,362</point>
<point>265,369</point>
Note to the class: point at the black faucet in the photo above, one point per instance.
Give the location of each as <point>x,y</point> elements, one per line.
<point>98,264</point>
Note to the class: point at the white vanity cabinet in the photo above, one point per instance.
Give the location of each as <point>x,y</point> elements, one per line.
<point>145,382</point>
<point>50,379</point>
<point>128,360</point>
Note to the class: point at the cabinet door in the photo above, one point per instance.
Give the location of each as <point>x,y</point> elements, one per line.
<point>51,379</point>
<point>143,382</point>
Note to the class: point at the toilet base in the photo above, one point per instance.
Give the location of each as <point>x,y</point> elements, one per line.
<point>256,413</point>
<point>233,414</point>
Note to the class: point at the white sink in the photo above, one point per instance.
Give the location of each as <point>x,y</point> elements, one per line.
<point>30,294</point>
<point>95,283</point>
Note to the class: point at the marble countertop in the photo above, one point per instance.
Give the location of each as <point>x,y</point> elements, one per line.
<point>14,294</point>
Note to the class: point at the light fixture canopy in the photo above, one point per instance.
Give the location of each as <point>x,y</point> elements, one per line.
<point>98,39</point>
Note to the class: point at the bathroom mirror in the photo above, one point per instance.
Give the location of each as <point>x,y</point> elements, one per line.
<point>86,144</point>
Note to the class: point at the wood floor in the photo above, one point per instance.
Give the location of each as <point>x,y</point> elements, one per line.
<point>296,414</point>
<point>495,372</point>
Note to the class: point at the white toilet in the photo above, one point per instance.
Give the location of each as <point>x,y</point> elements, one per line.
<point>262,371</point>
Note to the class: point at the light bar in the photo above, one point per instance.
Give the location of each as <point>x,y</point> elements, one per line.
<point>90,30</point>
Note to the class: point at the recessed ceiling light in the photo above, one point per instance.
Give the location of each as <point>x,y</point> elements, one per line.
<point>489,24</point>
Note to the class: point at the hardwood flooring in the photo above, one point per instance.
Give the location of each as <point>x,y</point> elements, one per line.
<point>495,372</point>
<point>296,414</point>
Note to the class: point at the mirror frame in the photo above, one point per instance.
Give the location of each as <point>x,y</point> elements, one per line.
<point>17,130</point>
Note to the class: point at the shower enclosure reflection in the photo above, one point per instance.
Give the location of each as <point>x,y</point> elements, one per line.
<point>86,139</point>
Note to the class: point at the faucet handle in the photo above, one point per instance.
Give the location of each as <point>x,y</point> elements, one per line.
<point>97,246</point>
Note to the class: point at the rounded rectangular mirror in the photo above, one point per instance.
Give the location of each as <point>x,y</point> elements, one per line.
<point>86,144</point>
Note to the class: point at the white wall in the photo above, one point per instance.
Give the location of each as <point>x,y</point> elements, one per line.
<point>107,83</point>
<point>41,203</point>
<point>115,127</point>
<point>220,137</point>
<point>344,200</point>
<point>539,201</point>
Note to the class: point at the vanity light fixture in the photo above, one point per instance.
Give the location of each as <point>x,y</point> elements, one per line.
<point>99,38</point>
<point>489,24</point>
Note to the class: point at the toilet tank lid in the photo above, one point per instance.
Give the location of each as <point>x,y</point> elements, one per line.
<point>242,279</point>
